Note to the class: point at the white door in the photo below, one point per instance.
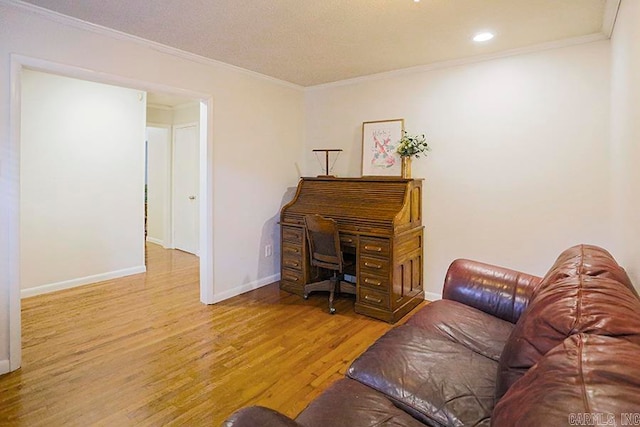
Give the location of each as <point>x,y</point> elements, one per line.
<point>186,174</point>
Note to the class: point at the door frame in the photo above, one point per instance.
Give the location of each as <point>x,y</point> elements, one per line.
<point>172,195</point>
<point>10,193</point>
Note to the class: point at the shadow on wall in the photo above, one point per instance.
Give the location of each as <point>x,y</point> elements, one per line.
<point>269,265</point>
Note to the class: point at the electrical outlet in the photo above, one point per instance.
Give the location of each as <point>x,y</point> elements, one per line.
<point>268,250</point>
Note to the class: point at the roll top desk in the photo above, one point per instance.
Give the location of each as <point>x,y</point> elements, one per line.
<point>380,224</point>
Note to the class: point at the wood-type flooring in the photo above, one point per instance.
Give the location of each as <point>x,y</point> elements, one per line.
<point>143,350</point>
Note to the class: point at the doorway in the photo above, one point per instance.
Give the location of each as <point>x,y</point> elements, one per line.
<point>12,191</point>
<point>172,186</point>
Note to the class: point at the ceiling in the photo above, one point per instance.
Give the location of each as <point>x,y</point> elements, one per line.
<point>311,42</point>
<point>157,99</point>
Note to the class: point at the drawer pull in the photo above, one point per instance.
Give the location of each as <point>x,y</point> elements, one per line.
<point>292,235</point>
<point>292,250</point>
<point>372,282</point>
<point>292,263</point>
<point>372,299</point>
<point>347,240</point>
<point>291,278</point>
<point>372,265</point>
<point>372,248</point>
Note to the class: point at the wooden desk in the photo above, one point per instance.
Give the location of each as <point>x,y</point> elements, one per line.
<point>380,221</point>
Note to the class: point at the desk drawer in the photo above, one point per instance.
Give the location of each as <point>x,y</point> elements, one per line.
<point>374,246</point>
<point>289,249</point>
<point>292,234</point>
<point>291,256</point>
<point>373,298</point>
<point>348,240</point>
<point>374,266</point>
<point>291,262</point>
<point>292,275</point>
<point>374,281</point>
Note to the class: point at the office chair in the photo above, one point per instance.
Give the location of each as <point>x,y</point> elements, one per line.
<point>325,252</point>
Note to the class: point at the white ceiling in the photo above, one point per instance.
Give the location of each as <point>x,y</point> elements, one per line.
<point>156,99</point>
<point>310,42</point>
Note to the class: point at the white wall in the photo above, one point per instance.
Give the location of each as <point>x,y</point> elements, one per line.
<point>158,184</point>
<point>159,115</point>
<point>186,114</point>
<point>257,128</point>
<point>81,182</point>
<point>518,168</point>
<point>625,136</point>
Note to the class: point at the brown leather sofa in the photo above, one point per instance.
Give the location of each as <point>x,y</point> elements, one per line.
<point>502,348</point>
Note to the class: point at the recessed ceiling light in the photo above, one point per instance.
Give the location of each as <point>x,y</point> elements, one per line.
<point>482,37</point>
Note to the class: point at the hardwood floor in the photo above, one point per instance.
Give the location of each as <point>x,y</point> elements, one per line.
<point>143,350</point>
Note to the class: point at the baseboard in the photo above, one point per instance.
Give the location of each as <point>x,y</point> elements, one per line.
<point>245,288</point>
<point>5,366</point>
<point>429,296</point>
<point>52,287</point>
<point>156,241</point>
<point>432,296</point>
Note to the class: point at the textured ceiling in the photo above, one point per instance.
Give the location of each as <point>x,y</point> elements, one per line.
<point>313,42</point>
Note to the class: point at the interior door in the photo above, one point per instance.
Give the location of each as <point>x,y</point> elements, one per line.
<point>186,189</point>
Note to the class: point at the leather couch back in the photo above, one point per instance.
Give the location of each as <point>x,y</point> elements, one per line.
<point>585,291</point>
<point>587,260</point>
<point>591,376</point>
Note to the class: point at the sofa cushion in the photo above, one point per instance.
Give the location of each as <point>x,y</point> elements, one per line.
<point>590,376</point>
<point>475,329</point>
<point>588,260</point>
<point>576,304</point>
<point>432,377</point>
<point>589,293</point>
<point>347,403</point>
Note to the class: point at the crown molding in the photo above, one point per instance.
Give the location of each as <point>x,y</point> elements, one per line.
<point>611,8</point>
<point>608,23</point>
<point>119,35</point>
<point>463,61</point>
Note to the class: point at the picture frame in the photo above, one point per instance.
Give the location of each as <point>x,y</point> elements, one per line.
<point>379,143</point>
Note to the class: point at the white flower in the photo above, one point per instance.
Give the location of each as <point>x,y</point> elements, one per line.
<point>412,146</point>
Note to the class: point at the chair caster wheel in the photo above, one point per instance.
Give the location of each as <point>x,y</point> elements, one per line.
<point>332,310</point>
<point>305,296</point>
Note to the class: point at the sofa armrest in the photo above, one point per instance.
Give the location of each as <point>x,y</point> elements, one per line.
<point>498,291</point>
<point>252,416</point>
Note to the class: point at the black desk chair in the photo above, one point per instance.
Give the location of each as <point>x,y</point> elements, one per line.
<point>325,252</point>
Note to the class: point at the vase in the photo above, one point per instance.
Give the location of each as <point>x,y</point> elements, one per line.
<point>406,167</point>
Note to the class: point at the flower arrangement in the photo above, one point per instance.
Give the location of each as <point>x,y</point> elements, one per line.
<point>412,146</point>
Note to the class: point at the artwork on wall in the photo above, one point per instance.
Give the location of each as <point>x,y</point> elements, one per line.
<point>379,143</point>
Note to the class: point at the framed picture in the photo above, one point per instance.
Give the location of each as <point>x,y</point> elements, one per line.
<point>379,142</point>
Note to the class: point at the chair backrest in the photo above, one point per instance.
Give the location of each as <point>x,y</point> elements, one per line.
<point>324,242</point>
